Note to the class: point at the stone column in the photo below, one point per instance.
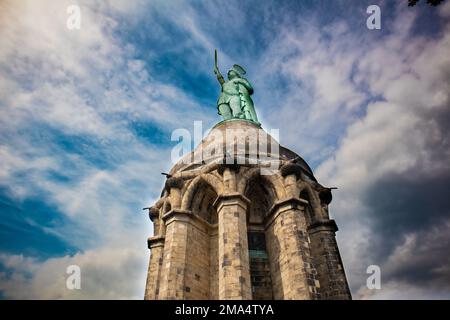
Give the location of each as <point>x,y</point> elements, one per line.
<point>156,245</point>
<point>328,261</point>
<point>293,274</point>
<point>174,186</point>
<point>234,269</point>
<point>175,255</point>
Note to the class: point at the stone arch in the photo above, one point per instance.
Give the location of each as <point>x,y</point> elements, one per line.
<point>262,192</point>
<point>274,180</point>
<point>307,193</point>
<point>199,238</point>
<point>203,204</point>
<point>262,197</point>
<point>309,212</point>
<point>167,206</point>
<point>207,178</point>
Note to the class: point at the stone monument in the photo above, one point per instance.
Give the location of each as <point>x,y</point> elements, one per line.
<point>227,228</point>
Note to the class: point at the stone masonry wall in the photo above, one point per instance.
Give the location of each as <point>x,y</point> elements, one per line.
<point>293,273</point>
<point>234,274</point>
<point>174,260</point>
<point>329,266</point>
<point>154,271</point>
<point>197,278</point>
<point>214,264</point>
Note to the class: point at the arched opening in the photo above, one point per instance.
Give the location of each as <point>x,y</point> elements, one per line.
<point>202,202</point>
<point>203,263</point>
<point>166,207</point>
<point>325,197</point>
<point>309,213</point>
<point>261,196</point>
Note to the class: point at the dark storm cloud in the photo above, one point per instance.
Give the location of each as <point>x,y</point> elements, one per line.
<point>428,264</point>
<point>409,202</point>
<point>412,203</point>
<point>416,202</point>
<point>393,169</point>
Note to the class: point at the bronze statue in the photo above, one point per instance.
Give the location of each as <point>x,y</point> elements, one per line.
<point>234,101</point>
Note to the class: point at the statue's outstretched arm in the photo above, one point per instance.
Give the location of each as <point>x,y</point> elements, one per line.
<point>216,70</point>
<point>219,76</point>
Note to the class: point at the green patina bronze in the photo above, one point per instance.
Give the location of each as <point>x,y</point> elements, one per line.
<point>234,101</point>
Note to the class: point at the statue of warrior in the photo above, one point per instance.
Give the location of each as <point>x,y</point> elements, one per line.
<point>234,101</point>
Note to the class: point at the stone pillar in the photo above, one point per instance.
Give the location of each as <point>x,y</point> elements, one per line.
<point>174,186</point>
<point>288,245</point>
<point>156,245</point>
<point>234,269</point>
<point>214,264</point>
<point>175,255</point>
<point>328,260</point>
<point>291,172</point>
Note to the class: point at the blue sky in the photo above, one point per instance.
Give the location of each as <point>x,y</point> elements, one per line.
<point>86,118</point>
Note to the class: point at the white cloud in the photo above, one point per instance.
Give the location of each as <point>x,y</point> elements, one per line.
<point>106,273</point>
<point>401,291</point>
<point>395,136</point>
<point>86,84</point>
<point>418,250</point>
<point>322,96</point>
<point>377,98</point>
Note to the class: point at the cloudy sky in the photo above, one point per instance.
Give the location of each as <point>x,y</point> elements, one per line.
<point>86,118</point>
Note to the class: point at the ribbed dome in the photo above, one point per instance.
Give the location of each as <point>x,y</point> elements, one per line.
<point>238,139</point>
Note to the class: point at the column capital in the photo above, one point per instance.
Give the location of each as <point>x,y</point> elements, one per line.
<point>323,225</point>
<point>234,198</point>
<point>232,166</point>
<point>153,213</point>
<point>284,205</point>
<point>291,168</point>
<point>186,216</point>
<point>174,182</point>
<point>157,241</point>
<point>176,212</point>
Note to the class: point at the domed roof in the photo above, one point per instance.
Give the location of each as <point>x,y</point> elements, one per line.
<point>238,139</point>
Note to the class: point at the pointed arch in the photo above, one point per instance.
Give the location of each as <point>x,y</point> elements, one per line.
<point>167,206</point>
<point>189,193</point>
<point>274,180</point>
<point>312,198</point>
